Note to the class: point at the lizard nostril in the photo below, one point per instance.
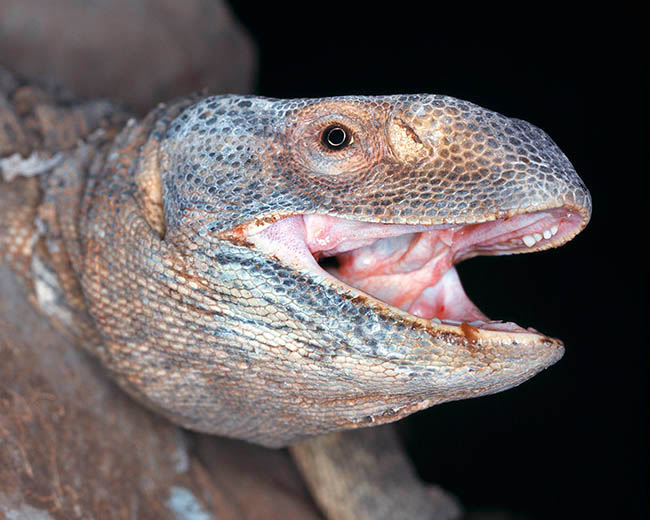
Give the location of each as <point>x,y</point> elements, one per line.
<point>335,137</point>
<point>405,142</point>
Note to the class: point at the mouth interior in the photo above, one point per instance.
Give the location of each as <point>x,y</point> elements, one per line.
<point>411,267</point>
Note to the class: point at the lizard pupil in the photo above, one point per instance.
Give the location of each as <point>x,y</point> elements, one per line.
<point>335,137</point>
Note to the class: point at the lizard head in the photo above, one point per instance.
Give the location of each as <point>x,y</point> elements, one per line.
<point>316,242</point>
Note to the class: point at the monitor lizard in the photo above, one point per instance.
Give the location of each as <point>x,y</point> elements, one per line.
<point>276,270</point>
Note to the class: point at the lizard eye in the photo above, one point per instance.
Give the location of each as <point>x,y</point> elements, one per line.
<point>336,137</point>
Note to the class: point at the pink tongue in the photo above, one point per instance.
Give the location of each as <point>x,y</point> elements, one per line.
<point>390,262</point>
<point>446,300</point>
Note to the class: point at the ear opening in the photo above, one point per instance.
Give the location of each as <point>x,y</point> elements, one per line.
<point>148,182</point>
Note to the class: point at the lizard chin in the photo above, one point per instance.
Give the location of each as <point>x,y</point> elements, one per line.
<point>411,267</point>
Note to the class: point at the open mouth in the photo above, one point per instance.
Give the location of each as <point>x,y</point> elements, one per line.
<point>411,267</point>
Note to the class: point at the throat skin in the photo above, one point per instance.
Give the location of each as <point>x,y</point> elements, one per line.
<point>195,317</point>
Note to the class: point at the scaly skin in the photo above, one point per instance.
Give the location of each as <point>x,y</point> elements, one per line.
<point>196,319</point>
<point>155,246</point>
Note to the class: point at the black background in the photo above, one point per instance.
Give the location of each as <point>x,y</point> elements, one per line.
<point>570,442</point>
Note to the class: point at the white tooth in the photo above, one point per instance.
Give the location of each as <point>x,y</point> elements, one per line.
<point>529,240</point>
<point>537,236</point>
<point>554,229</point>
<point>547,234</point>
